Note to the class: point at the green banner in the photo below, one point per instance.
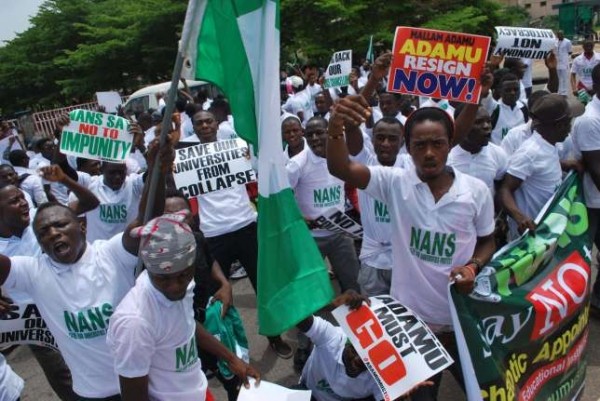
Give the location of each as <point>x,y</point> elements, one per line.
<point>522,333</point>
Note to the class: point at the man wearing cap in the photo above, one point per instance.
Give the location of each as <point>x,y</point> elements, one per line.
<point>534,170</point>
<point>152,334</point>
<point>77,285</point>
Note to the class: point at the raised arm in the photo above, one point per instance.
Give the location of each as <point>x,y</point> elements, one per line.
<point>86,200</point>
<point>165,157</point>
<point>465,120</point>
<point>349,111</point>
<point>379,70</point>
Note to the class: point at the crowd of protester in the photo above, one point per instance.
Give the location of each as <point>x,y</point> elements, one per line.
<point>437,185</point>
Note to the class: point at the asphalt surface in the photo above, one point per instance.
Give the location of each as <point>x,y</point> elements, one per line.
<point>278,370</point>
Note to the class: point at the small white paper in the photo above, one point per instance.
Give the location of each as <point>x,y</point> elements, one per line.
<point>110,100</point>
<point>271,391</point>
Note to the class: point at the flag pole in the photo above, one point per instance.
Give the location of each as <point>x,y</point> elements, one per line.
<point>169,108</point>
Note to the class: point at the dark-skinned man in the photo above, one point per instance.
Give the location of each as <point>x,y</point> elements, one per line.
<point>228,222</point>
<point>77,286</point>
<point>18,239</point>
<point>426,202</point>
<point>534,171</point>
<point>375,272</point>
<point>153,334</point>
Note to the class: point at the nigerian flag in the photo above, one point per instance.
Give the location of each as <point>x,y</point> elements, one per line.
<point>235,45</point>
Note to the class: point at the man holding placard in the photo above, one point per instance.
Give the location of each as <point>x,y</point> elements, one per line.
<point>428,204</point>
<point>227,217</point>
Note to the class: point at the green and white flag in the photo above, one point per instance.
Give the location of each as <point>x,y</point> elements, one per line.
<point>235,45</point>
<point>370,53</point>
<point>523,332</point>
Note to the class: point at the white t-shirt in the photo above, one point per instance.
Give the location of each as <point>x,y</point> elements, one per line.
<point>76,301</point>
<point>117,208</point>
<point>488,165</point>
<point>226,131</point>
<point>536,163</point>
<point>11,384</point>
<point>564,48</point>
<point>32,185</point>
<point>151,335</point>
<point>376,250</point>
<point>586,138</point>
<point>508,117</point>
<point>26,245</point>
<point>515,137</point>
<point>38,161</point>
<point>300,102</point>
<point>225,211</point>
<point>527,80</point>
<point>429,238</point>
<point>316,190</point>
<point>324,373</point>
<point>582,68</point>
<point>286,155</point>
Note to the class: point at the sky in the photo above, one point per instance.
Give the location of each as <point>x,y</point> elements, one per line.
<point>15,17</point>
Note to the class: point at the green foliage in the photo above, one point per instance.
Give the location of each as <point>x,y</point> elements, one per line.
<point>77,47</point>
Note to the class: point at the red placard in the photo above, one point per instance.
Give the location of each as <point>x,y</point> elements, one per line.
<point>438,64</point>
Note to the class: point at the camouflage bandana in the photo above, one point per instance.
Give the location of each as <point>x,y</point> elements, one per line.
<point>167,244</point>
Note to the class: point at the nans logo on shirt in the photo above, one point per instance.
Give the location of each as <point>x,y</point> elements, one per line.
<point>88,323</point>
<point>186,355</point>
<point>431,246</point>
<point>116,213</point>
<point>381,212</point>
<point>325,197</point>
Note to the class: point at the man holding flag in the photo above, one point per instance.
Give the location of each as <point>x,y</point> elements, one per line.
<point>235,45</point>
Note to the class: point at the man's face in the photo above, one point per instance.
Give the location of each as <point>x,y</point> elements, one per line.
<point>560,35</point>
<point>520,69</point>
<point>353,364</point>
<point>4,128</point>
<point>481,132</point>
<point>429,147</point>
<point>510,92</point>
<point>173,286</point>
<point>316,136</point>
<point>588,48</point>
<point>60,234</point>
<point>205,126</point>
<point>8,176</point>
<point>387,141</point>
<point>92,167</point>
<point>292,133</point>
<point>321,103</point>
<point>47,150</point>
<point>14,209</point>
<point>388,105</point>
<point>114,175</point>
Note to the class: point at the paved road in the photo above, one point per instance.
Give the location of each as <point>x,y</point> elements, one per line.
<point>275,369</point>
